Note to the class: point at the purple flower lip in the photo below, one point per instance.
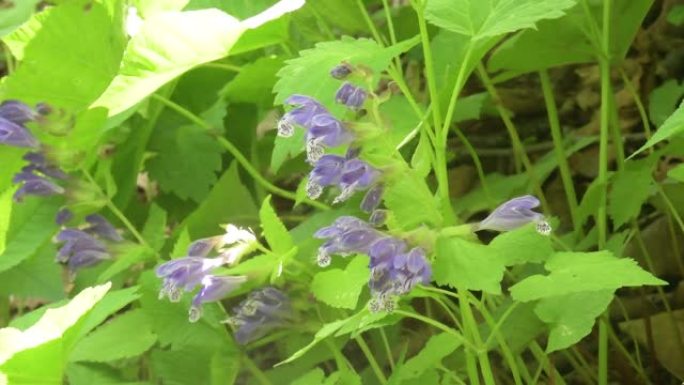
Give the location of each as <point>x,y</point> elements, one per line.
<point>512,214</point>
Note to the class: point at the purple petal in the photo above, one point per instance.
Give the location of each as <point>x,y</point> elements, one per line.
<point>102,227</point>
<point>371,200</point>
<point>16,112</point>
<point>15,135</point>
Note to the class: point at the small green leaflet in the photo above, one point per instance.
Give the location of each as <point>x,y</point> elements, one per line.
<point>186,162</point>
<point>629,189</point>
<point>488,18</point>
<point>461,264</point>
<point>341,288</point>
<point>571,316</point>
<point>54,68</point>
<point>275,232</point>
<point>575,272</point>
<point>155,227</point>
<point>435,349</point>
<point>106,342</point>
<point>411,201</point>
<point>673,126</point>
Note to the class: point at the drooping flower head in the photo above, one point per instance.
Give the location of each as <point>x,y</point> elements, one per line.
<point>85,246</point>
<point>262,311</point>
<point>38,178</point>
<point>351,96</point>
<point>80,249</point>
<point>323,129</point>
<point>184,274</point>
<point>395,269</point>
<point>13,117</point>
<point>515,213</point>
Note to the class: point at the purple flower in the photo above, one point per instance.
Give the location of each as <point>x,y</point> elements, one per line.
<point>17,112</point>
<point>80,249</point>
<point>63,216</point>
<point>351,96</point>
<point>184,274</point>
<point>356,176</point>
<point>345,236</point>
<point>394,273</point>
<point>515,213</point>
<point>37,177</point>
<point>100,225</point>
<point>202,247</point>
<point>323,130</point>
<point>213,289</point>
<point>326,172</point>
<point>341,71</point>
<point>262,311</point>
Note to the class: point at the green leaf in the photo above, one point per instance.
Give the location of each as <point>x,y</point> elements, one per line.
<point>677,172</point>
<point>15,14</point>
<point>216,209</point>
<point>31,225</point>
<point>22,353</point>
<point>54,68</point>
<point>6,205</point>
<point>567,40</point>
<point>571,316</point>
<point>106,342</point>
<point>676,15</point>
<point>673,126</point>
<point>309,74</point>
<point>313,377</point>
<point>326,331</point>
<point>341,288</point>
<point>187,161</point>
<point>467,265</point>
<point>411,202</point>
<point>155,227</point>
<point>275,232</point>
<point>487,18</point>
<point>435,349</point>
<point>254,82</point>
<point>663,101</point>
<point>630,188</point>
<point>172,43</point>
<point>36,277</point>
<point>522,245</point>
<point>575,272</point>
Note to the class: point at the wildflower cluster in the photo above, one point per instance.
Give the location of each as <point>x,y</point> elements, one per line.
<point>395,269</point>
<point>262,311</point>
<point>348,173</point>
<point>81,246</point>
<point>197,269</point>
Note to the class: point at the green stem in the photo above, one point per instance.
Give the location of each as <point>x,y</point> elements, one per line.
<point>369,21</point>
<point>241,159</point>
<point>471,327</point>
<point>604,63</point>
<point>564,168</point>
<point>513,134</point>
<point>223,66</point>
<point>640,106</point>
<point>115,210</point>
<point>388,350</point>
<point>429,67</point>
<point>390,24</point>
<point>371,359</point>
<point>257,373</point>
<point>437,325</point>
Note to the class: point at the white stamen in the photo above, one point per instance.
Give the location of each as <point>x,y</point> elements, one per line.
<point>543,227</point>
<point>313,189</point>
